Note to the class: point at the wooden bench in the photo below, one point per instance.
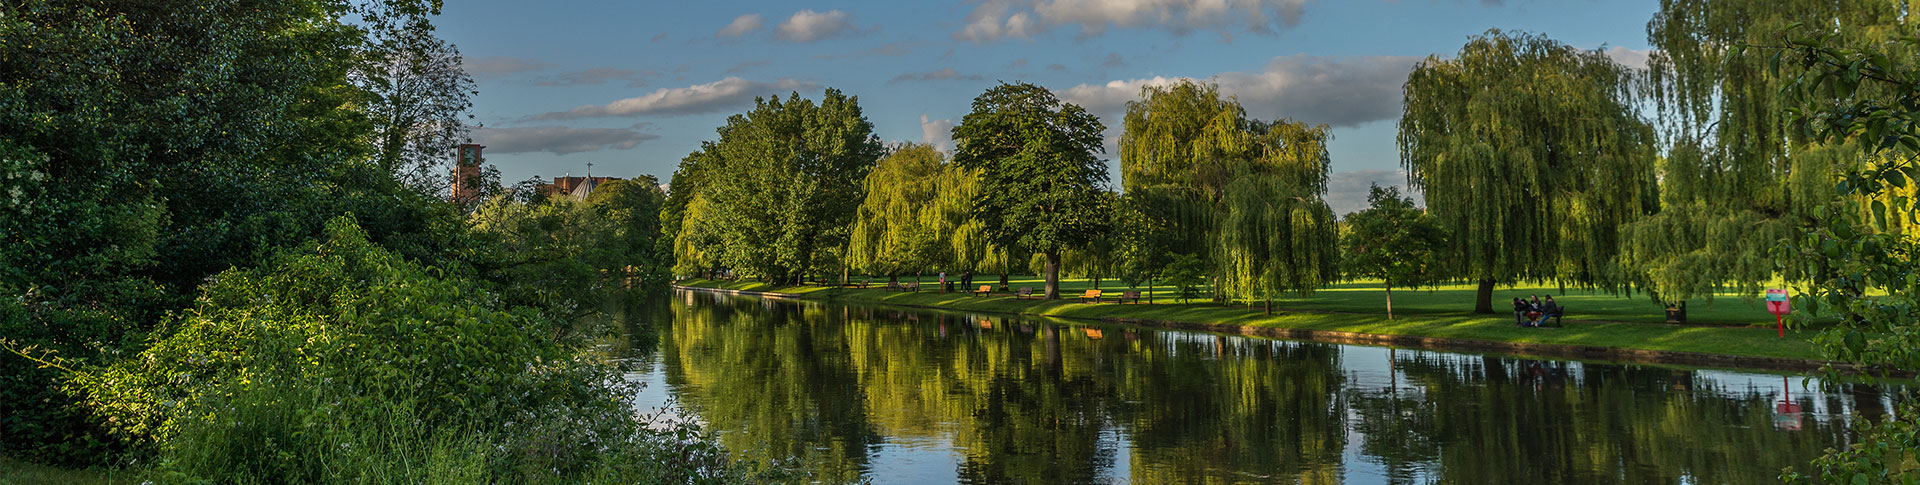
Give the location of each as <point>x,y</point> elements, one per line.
<point>1025,291</point>
<point>860,284</point>
<point>984,290</point>
<point>1555,316</point>
<point>894,286</point>
<point>1091,296</point>
<point>913,287</point>
<point>1124,296</point>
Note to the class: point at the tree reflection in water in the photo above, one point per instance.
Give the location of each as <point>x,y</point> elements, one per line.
<point>1034,401</point>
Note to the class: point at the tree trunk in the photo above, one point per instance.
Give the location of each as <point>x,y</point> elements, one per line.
<point>1053,275</point>
<point>1483,302</point>
<point>1389,299</point>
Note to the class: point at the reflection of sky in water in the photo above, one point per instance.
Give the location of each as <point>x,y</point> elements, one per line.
<point>1365,372</point>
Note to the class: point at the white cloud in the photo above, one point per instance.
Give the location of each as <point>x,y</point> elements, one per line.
<point>500,66</point>
<point>938,133</point>
<point>809,26</point>
<point>700,98</point>
<point>1347,191</point>
<point>1021,19</point>
<point>740,26</point>
<point>1632,58</point>
<point>1338,92</point>
<point>559,140</point>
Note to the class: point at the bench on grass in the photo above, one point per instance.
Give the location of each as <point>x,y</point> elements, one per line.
<point>984,290</point>
<point>1125,296</point>
<point>913,287</point>
<point>1091,296</point>
<point>1025,291</point>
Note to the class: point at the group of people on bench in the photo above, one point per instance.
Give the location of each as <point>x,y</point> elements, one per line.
<point>1533,313</point>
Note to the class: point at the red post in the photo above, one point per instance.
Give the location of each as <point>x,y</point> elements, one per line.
<point>1783,326</point>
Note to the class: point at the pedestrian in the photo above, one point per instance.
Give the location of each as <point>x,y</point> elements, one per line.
<point>966,280</point>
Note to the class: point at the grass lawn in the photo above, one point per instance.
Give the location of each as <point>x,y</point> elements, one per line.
<point>1445,312</point>
<point>1370,297</point>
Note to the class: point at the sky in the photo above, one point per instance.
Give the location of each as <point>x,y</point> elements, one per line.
<point>633,87</point>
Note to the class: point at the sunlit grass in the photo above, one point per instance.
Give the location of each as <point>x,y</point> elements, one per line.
<point>1597,319</point>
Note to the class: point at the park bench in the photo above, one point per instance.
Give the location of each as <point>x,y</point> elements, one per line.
<point>1555,316</point>
<point>984,290</point>
<point>1025,291</point>
<point>913,287</point>
<point>1124,296</point>
<point>1092,296</point>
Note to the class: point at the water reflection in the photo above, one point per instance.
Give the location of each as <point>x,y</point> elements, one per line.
<point>905,396</point>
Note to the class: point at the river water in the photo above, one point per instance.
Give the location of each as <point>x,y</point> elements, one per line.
<point>902,396</point>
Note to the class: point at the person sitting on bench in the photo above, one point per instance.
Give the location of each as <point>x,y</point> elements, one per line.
<point>1520,308</point>
<point>1548,309</point>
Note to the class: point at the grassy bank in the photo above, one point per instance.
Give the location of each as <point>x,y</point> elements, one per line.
<point>1609,321</point>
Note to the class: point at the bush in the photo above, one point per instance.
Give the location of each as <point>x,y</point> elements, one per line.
<point>341,362</point>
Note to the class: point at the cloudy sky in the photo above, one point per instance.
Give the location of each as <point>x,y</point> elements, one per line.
<point>632,87</point>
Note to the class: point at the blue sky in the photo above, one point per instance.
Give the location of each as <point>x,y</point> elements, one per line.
<point>632,87</point>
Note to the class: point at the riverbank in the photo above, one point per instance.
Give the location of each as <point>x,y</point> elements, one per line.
<point>1714,346</point>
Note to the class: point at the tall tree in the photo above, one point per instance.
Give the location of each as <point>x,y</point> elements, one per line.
<point>1274,224</point>
<point>418,92</point>
<point>1245,195</point>
<point>1041,184</point>
<point>1736,179</point>
<point>784,182</point>
<point>1530,152</point>
<point>1395,241</point>
<point>891,231</point>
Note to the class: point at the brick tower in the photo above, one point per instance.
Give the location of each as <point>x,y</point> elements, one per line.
<point>466,173</point>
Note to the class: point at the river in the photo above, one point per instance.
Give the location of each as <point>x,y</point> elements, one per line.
<point>906,396</point>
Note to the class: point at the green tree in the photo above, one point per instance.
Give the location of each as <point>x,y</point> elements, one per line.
<point>1273,225</point>
<point>783,182</point>
<point>896,228</point>
<point>1860,251</point>
<point>1243,194</point>
<point>1041,184</point>
<point>1395,241</point>
<point>1530,152</point>
<point>1736,180</point>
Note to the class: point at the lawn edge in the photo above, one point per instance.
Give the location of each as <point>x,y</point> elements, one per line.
<point>1549,350</point>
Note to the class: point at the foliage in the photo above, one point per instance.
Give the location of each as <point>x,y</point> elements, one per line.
<point>1273,226</point>
<point>1188,273</point>
<point>1394,241</point>
<point>1530,152</point>
<point>1247,193</point>
<point>781,185</point>
<point>172,140</point>
<point>1858,251</point>
<point>895,231</point>
<point>417,91</point>
<point>1737,180</point>
<point>1041,184</point>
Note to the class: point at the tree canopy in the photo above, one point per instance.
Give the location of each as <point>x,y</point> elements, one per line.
<point>1245,195</point>
<point>781,186</point>
<point>1041,184</point>
<point>1531,153</point>
<point>1395,241</point>
<point>1737,179</point>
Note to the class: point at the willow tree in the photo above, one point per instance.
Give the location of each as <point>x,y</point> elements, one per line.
<point>1736,181</point>
<point>1041,185</point>
<point>890,234</point>
<point>1530,152</point>
<point>1244,194</point>
<point>1275,232</point>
